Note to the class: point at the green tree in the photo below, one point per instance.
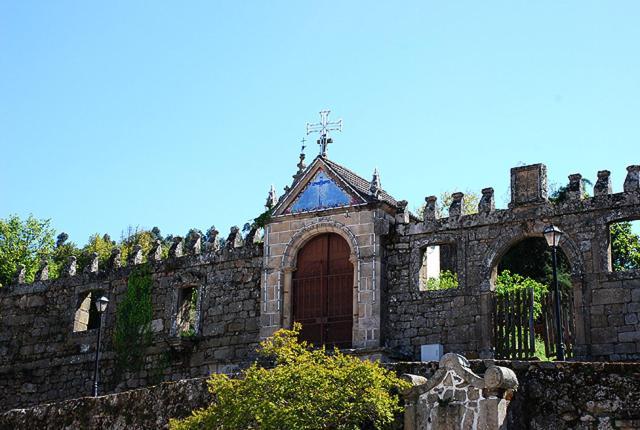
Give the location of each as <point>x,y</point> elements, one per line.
<point>136,236</point>
<point>102,245</point>
<point>23,242</point>
<point>625,247</point>
<point>307,389</point>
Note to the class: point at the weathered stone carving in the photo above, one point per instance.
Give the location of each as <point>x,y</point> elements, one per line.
<point>456,207</point>
<point>632,181</point>
<point>603,184</point>
<point>575,190</point>
<point>195,240</point>
<point>20,275</point>
<point>176,247</point>
<point>528,184</point>
<point>456,398</point>
<point>155,254</point>
<point>115,259</point>
<point>94,261</point>
<point>487,202</point>
<point>136,255</point>
<point>70,267</point>
<point>430,208</point>
<point>43,272</point>
<point>234,240</point>
<point>212,243</point>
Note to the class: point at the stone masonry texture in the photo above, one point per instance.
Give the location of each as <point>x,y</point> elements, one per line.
<point>244,290</point>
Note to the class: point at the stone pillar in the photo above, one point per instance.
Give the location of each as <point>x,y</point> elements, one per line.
<point>603,184</point>
<point>175,250</point>
<point>136,255</point>
<point>456,208</point>
<point>455,398</point>
<point>430,209</point>
<point>575,190</point>
<point>632,181</point>
<point>402,216</point>
<point>528,185</point>
<point>487,202</point>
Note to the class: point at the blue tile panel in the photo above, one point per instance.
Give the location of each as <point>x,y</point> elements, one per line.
<point>320,193</point>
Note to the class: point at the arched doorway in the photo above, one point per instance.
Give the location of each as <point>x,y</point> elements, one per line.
<point>323,291</point>
<point>524,311</point>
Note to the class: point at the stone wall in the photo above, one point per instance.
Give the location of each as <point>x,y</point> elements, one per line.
<point>564,395</point>
<point>605,303</point>
<point>141,409</point>
<point>550,395</point>
<point>42,358</point>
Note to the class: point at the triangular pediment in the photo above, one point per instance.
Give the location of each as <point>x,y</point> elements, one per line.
<point>320,188</point>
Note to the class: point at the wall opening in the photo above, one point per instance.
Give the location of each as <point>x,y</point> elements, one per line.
<point>438,267</point>
<point>624,246</point>
<point>524,311</point>
<point>86,316</point>
<point>186,312</point>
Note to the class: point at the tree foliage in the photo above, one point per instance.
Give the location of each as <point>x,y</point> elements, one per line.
<point>509,283</point>
<point>446,281</point>
<point>307,389</point>
<point>23,242</point>
<point>625,247</point>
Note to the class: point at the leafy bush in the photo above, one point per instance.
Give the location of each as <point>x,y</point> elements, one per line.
<point>307,389</point>
<point>446,281</point>
<point>509,283</point>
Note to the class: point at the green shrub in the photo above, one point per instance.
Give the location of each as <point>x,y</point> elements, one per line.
<point>509,283</point>
<point>307,389</point>
<point>446,281</point>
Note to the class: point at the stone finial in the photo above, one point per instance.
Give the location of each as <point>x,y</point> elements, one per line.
<point>115,259</point>
<point>252,236</point>
<point>155,254</point>
<point>402,216</point>
<point>94,261</point>
<point>575,189</point>
<point>603,184</point>
<point>20,274</point>
<point>195,243</point>
<point>456,207</point>
<point>430,209</point>
<point>528,185</point>
<point>176,247</point>
<point>212,243</point>
<point>71,266</point>
<point>301,167</point>
<point>136,255</point>
<point>632,181</point>
<point>374,187</point>
<point>487,202</point>
<point>43,271</point>
<point>272,198</point>
<point>234,240</point>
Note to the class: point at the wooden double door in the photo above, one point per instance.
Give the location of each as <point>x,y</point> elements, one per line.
<point>323,291</point>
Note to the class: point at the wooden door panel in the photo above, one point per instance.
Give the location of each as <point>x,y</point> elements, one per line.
<point>323,291</point>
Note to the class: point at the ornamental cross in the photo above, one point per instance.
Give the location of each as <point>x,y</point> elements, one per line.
<point>324,127</point>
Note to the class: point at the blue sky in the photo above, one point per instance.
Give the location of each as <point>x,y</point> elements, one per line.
<point>182,114</point>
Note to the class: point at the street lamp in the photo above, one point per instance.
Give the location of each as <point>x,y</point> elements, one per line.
<point>553,234</point>
<point>101,306</point>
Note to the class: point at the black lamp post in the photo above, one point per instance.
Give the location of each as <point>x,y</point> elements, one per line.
<point>553,234</point>
<point>101,306</point>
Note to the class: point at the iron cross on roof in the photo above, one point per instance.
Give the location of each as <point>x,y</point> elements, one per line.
<point>324,127</point>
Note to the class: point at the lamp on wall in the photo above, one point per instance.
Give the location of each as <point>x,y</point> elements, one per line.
<point>101,307</point>
<point>553,235</point>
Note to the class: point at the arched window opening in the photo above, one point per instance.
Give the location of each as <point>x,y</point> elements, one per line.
<point>624,246</point>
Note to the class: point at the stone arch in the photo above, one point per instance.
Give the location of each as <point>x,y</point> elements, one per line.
<point>502,245</point>
<point>299,239</point>
<point>289,260</point>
